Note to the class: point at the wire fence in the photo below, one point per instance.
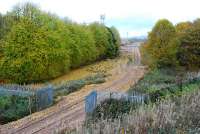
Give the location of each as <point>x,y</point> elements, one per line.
<point>95,98</point>
<point>39,98</point>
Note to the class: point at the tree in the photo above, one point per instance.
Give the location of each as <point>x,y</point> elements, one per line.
<point>162,44</point>
<point>28,10</point>
<point>81,45</point>
<point>100,34</point>
<point>1,26</point>
<point>182,27</point>
<point>6,23</point>
<point>116,35</point>
<point>189,50</point>
<point>117,39</point>
<point>32,53</point>
<point>37,46</point>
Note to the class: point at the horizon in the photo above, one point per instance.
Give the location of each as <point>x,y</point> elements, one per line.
<point>132,18</point>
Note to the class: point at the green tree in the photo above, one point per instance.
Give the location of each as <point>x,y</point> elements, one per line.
<point>36,46</point>
<point>6,23</point>
<point>1,26</point>
<point>81,45</point>
<point>101,38</point>
<point>116,40</point>
<point>112,48</point>
<point>31,52</point>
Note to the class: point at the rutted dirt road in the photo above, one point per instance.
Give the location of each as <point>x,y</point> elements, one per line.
<point>69,112</point>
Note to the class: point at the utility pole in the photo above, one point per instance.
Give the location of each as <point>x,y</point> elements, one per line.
<point>127,37</point>
<point>102,18</point>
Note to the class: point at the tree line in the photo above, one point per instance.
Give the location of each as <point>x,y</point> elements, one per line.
<point>36,45</point>
<point>174,46</point>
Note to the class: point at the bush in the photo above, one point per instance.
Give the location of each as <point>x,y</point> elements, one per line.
<point>13,108</point>
<point>160,84</point>
<point>111,108</point>
<point>74,85</point>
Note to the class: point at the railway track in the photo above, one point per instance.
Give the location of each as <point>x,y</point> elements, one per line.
<point>74,111</point>
<point>69,119</point>
<point>21,130</point>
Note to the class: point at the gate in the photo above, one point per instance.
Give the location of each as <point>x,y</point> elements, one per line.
<point>90,102</point>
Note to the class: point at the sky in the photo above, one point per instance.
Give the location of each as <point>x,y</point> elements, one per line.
<point>130,17</point>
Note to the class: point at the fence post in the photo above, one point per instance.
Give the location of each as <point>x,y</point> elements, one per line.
<point>90,102</point>
<point>110,95</point>
<point>29,100</point>
<point>44,97</point>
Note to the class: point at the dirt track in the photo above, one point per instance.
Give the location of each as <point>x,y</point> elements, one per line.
<point>70,111</point>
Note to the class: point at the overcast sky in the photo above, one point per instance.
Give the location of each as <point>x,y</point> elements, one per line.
<point>133,16</point>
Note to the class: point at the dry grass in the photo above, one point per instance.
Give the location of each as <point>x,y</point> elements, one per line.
<point>104,66</point>
<point>180,115</point>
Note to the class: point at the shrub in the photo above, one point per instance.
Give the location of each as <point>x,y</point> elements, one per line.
<point>13,108</point>
<point>74,85</point>
<point>111,108</point>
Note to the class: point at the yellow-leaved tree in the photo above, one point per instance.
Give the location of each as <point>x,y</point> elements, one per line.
<point>161,47</point>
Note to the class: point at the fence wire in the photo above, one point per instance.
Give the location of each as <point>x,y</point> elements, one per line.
<point>39,98</point>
